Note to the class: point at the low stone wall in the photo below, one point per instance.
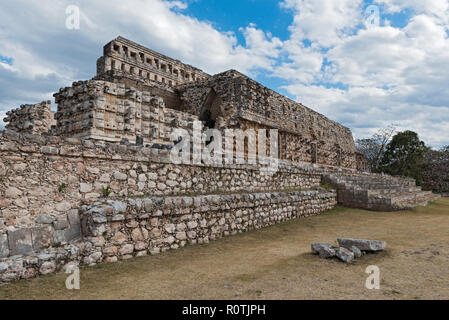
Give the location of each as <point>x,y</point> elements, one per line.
<point>45,180</point>
<point>122,229</point>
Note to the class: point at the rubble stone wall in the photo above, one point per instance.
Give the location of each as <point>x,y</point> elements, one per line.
<point>31,118</point>
<point>45,180</point>
<point>122,229</point>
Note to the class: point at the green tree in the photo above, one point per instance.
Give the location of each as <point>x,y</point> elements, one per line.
<point>404,156</point>
<point>436,170</point>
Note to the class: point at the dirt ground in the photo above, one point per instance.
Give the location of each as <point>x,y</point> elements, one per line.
<point>276,263</point>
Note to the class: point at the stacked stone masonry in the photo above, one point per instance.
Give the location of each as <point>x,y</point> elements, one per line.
<point>31,118</point>
<point>114,230</point>
<point>378,192</point>
<point>44,181</point>
<point>127,57</point>
<point>137,227</point>
<point>232,100</point>
<point>107,111</point>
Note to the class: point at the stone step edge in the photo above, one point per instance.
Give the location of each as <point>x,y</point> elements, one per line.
<point>114,210</point>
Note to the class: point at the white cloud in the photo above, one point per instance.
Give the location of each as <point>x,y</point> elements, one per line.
<point>2,116</point>
<point>364,79</point>
<point>374,77</point>
<point>47,56</point>
<point>433,7</point>
<point>323,22</point>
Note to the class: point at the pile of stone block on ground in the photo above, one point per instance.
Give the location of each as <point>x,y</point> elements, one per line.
<point>348,250</point>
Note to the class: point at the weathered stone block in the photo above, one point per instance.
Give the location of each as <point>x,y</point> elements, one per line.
<point>126,249</point>
<point>3,267</point>
<point>4,247</point>
<point>45,219</point>
<point>85,188</point>
<point>13,193</point>
<point>364,245</point>
<point>356,251</point>
<point>42,237</point>
<point>61,224</point>
<point>120,176</point>
<point>63,206</point>
<point>67,235</point>
<point>74,217</point>
<point>345,255</point>
<point>20,242</point>
<point>324,250</point>
<point>47,267</point>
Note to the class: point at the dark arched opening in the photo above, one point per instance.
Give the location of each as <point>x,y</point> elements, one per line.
<point>211,110</point>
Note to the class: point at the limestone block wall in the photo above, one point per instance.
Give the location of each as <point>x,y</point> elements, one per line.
<point>44,181</point>
<point>122,229</point>
<point>31,118</point>
<point>137,227</point>
<point>108,111</point>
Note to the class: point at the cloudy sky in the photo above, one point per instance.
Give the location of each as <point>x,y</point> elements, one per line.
<point>365,64</point>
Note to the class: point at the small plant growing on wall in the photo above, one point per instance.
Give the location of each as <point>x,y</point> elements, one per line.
<point>62,187</point>
<point>106,191</point>
<point>326,186</point>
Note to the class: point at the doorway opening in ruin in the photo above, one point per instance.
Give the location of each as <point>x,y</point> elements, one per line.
<point>211,110</point>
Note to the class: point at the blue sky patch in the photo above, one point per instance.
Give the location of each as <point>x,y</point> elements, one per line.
<point>228,15</point>
<point>6,60</point>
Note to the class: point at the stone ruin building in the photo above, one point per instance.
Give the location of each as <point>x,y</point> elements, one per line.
<point>93,181</point>
<point>32,119</point>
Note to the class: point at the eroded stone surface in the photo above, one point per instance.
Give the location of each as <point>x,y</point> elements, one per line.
<point>20,242</point>
<point>345,255</point>
<point>364,245</point>
<point>324,250</point>
<point>356,251</point>
<point>31,118</point>
<point>4,247</point>
<point>164,225</point>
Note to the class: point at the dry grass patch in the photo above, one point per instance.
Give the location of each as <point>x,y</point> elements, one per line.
<point>276,263</point>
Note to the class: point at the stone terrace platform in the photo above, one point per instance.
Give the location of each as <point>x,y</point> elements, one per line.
<point>378,192</point>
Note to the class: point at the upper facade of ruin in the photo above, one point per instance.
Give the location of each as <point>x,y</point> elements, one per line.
<point>125,57</point>
<point>141,96</point>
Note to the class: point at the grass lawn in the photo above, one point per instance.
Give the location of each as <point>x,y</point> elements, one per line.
<point>276,263</point>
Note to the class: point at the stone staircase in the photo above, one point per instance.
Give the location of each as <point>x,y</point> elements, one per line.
<point>378,192</point>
